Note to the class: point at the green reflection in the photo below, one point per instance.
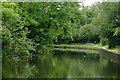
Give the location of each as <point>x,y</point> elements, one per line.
<point>63,65</point>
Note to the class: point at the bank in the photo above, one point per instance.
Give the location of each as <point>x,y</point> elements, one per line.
<point>112,54</point>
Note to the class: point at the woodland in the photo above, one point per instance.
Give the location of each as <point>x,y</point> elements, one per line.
<point>35,27</point>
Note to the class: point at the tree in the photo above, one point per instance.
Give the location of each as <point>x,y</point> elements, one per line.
<point>109,15</point>
<point>14,34</point>
<point>48,21</point>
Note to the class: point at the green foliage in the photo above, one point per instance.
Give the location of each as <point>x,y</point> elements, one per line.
<point>109,22</point>
<point>14,40</point>
<point>104,41</point>
<point>117,31</point>
<point>104,24</point>
<point>34,26</point>
<point>88,31</point>
<point>87,14</point>
<point>48,21</point>
<point>41,22</point>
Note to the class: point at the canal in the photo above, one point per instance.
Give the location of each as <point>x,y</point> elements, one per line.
<point>62,64</point>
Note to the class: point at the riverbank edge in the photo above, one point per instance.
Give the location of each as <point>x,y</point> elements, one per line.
<point>93,48</point>
<point>115,57</point>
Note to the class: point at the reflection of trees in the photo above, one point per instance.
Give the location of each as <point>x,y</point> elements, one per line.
<point>110,69</point>
<point>72,65</point>
<point>84,67</point>
<point>69,64</point>
<point>15,69</point>
<point>42,66</point>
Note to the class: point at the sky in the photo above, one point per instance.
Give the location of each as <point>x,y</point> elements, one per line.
<point>90,2</point>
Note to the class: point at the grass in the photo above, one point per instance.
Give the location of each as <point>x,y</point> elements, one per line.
<point>74,50</point>
<point>116,49</point>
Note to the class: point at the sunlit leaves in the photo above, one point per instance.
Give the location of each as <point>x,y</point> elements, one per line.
<point>117,32</point>
<point>14,40</point>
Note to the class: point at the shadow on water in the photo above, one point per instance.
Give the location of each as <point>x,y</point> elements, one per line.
<point>62,64</point>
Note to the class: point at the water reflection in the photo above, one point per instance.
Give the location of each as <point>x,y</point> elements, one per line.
<point>63,65</point>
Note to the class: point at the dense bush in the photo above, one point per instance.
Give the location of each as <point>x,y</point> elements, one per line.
<point>14,33</point>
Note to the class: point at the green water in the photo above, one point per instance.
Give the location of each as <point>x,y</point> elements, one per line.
<point>62,65</point>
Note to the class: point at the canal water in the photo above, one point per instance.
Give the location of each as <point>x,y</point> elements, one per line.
<point>62,64</point>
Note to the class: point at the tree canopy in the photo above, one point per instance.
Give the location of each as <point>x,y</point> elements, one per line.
<point>32,27</point>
